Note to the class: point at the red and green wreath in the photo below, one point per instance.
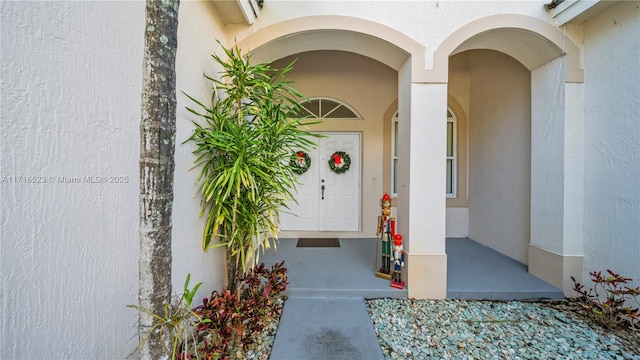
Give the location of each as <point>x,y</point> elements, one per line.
<point>300,162</point>
<point>340,162</point>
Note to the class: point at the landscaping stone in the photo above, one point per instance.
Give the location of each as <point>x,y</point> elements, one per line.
<point>463,329</point>
<point>459,329</point>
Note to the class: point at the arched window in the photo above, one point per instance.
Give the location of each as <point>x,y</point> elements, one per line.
<point>326,108</point>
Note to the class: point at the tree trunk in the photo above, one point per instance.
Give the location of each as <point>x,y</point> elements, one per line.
<point>232,269</point>
<point>157,144</point>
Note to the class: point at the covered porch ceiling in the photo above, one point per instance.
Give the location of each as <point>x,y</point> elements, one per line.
<point>530,49</point>
<point>332,39</point>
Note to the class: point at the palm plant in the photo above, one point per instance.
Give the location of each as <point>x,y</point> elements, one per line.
<point>250,131</point>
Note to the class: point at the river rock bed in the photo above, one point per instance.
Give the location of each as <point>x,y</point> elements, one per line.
<point>461,329</point>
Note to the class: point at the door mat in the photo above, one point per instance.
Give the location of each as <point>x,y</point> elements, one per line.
<point>318,242</point>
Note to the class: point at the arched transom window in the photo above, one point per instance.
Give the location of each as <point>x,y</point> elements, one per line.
<point>326,108</point>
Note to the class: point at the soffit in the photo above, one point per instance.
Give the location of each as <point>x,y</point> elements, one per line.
<point>236,11</point>
<point>578,11</point>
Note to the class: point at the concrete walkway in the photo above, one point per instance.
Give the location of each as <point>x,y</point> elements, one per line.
<point>325,328</point>
<point>325,316</point>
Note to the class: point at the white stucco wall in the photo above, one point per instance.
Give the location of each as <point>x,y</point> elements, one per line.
<point>612,141</point>
<point>71,85</point>
<point>427,22</point>
<point>499,153</point>
<point>198,30</point>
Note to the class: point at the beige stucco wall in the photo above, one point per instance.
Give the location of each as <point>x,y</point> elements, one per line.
<point>499,152</point>
<point>458,102</point>
<point>461,199</point>
<point>370,88</point>
<point>557,183</point>
<point>547,164</point>
<point>612,141</point>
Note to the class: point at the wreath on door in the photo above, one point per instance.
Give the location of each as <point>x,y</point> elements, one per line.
<point>340,162</point>
<point>300,162</point>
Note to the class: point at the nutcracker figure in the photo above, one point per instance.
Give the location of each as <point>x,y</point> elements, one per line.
<point>397,256</point>
<point>385,231</point>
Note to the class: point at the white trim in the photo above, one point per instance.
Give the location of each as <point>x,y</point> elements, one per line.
<point>577,11</point>
<point>454,157</point>
<point>394,155</point>
<point>457,222</point>
<point>340,102</point>
<point>454,170</point>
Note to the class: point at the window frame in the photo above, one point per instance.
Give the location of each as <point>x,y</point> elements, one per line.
<point>326,114</point>
<point>451,118</point>
<point>394,154</point>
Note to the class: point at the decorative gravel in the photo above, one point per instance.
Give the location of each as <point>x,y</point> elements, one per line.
<point>459,329</point>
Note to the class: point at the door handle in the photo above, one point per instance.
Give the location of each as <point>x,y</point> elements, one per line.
<point>322,188</point>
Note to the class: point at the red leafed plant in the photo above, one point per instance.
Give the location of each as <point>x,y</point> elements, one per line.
<point>608,301</point>
<point>233,318</point>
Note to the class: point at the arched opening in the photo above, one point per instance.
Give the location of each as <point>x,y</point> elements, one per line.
<point>494,97</point>
<point>351,93</point>
<point>508,73</point>
<point>496,89</point>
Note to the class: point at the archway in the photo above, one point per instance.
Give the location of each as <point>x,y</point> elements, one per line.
<point>365,48</point>
<point>548,83</point>
<point>540,49</point>
<point>367,38</point>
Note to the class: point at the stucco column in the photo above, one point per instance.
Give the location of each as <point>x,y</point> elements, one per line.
<point>557,178</point>
<point>422,205</point>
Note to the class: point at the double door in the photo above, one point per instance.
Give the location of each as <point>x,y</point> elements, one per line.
<point>327,201</point>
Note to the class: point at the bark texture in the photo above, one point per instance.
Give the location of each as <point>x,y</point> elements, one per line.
<point>157,146</point>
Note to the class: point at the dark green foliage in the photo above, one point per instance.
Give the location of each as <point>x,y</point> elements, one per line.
<point>233,318</point>
<point>608,301</point>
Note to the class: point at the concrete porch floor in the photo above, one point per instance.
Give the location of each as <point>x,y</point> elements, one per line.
<point>474,271</point>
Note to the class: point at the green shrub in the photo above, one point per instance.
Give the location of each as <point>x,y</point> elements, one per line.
<point>175,323</point>
<point>244,142</point>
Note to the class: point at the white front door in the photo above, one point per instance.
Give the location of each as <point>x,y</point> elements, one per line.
<point>328,201</point>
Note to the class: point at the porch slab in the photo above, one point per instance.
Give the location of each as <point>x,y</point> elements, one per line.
<point>475,271</point>
<point>345,271</point>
